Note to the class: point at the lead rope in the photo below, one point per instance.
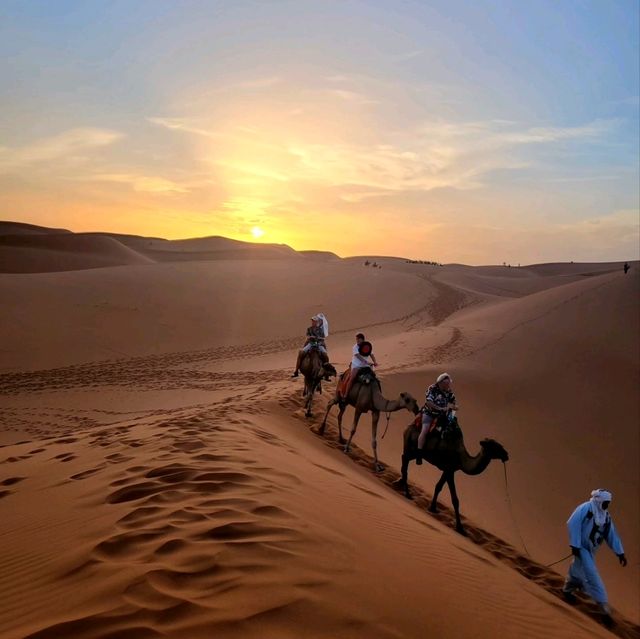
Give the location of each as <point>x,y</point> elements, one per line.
<point>559,560</point>
<point>515,523</point>
<point>513,518</point>
<point>388,418</point>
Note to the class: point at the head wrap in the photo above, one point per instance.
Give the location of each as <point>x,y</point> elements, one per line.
<point>598,496</point>
<point>442,377</point>
<point>325,324</point>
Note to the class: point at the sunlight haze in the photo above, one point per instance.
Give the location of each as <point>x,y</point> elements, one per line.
<point>476,132</point>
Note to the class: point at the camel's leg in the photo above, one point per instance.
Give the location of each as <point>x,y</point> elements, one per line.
<point>451,482</point>
<point>405,475</point>
<point>301,354</point>
<point>330,405</point>
<point>343,407</point>
<point>375,416</point>
<point>309,402</point>
<point>439,486</point>
<point>354,427</point>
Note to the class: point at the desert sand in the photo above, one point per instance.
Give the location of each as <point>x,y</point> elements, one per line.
<point>158,477</point>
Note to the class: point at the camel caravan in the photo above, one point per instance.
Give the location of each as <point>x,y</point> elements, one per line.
<point>434,435</point>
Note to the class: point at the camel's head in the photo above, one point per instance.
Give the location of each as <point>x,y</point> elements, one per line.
<point>410,403</point>
<point>329,371</point>
<point>494,449</point>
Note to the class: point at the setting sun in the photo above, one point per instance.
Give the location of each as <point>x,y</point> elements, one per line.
<point>257,232</point>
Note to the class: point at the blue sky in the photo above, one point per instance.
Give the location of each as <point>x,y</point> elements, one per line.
<point>458,131</point>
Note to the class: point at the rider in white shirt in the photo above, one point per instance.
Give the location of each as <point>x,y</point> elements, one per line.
<point>358,361</point>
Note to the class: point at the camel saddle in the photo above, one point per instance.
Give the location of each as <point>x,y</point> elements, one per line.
<point>441,424</point>
<point>365,376</point>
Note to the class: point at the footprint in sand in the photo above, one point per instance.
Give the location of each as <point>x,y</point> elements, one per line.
<point>10,481</point>
<point>87,473</point>
<point>129,544</point>
<point>13,460</point>
<point>65,457</point>
<point>117,458</point>
<point>189,446</point>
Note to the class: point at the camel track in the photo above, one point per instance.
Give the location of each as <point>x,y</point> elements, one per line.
<point>450,299</point>
<point>164,371</point>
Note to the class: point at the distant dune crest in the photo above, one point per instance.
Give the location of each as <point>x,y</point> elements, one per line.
<point>25,248</point>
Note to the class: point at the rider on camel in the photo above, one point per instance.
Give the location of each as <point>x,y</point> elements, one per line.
<point>362,357</point>
<point>316,334</point>
<point>439,401</point>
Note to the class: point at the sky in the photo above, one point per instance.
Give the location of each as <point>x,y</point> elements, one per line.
<point>477,131</point>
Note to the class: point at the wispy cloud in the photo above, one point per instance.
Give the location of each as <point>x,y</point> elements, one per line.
<point>435,155</point>
<point>429,155</point>
<point>142,183</point>
<point>262,166</point>
<point>583,178</point>
<point>252,169</point>
<point>492,134</point>
<point>66,145</point>
<point>537,135</point>
<point>188,125</point>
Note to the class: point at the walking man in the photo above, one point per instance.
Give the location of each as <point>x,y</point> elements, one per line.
<point>590,525</point>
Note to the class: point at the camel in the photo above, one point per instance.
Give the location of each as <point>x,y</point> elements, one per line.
<point>314,371</point>
<point>450,455</point>
<point>366,395</point>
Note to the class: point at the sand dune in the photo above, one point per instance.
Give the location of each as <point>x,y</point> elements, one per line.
<point>20,228</point>
<point>500,281</point>
<point>25,248</point>
<point>537,373</point>
<point>319,255</point>
<point>158,477</point>
<point>570,268</point>
<point>209,248</point>
<point>40,253</point>
<point>217,243</point>
<point>160,308</point>
<point>217,518</point>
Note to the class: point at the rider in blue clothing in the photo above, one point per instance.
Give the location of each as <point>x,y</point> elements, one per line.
<point>590,525</point>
